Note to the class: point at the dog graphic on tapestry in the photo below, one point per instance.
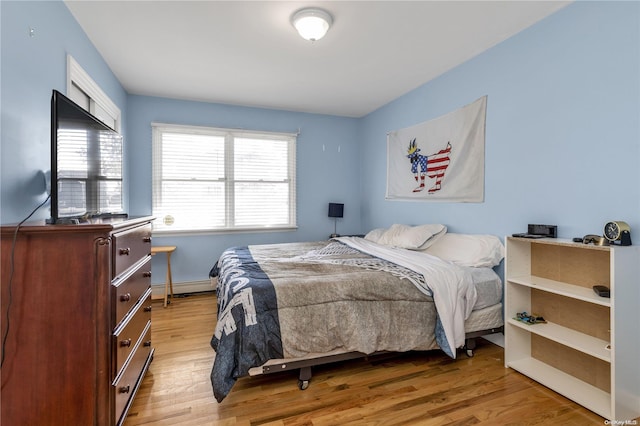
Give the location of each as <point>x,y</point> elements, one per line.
<point>434,166</point>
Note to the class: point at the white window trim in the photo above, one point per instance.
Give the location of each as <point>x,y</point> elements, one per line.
<point>239,132</point>
<point>76,75</point>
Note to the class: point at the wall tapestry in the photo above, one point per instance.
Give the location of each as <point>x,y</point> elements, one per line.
<point>441,159</point>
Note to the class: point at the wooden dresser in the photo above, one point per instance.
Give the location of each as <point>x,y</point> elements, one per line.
<point>75,321</point>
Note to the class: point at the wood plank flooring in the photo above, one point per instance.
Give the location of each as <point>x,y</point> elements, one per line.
<point>416,388</point>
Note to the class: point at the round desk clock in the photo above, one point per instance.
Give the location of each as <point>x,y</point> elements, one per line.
<point>618,231</point>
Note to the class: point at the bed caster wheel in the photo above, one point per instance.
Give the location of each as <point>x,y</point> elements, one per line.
<point>303,377</point>
<point>469,346</point>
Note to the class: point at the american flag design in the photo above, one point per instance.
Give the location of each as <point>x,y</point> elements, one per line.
<point>437,165</point>
<point>434,166</point>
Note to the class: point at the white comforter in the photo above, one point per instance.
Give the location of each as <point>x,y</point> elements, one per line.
<point>450,286</point>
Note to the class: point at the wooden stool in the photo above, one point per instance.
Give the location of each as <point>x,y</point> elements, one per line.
<point>168,284</point>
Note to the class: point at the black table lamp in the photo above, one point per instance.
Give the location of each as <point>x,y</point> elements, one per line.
<point>336,210</point>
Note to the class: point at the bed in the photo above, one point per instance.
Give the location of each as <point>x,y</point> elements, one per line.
<point>296,305</point>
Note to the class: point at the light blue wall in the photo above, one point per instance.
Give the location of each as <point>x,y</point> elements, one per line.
<point>323,176</point>
<point>562,128</point>
<point>32,66</point>
<point>562,139</point>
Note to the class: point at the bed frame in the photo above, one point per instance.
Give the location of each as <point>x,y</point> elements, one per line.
<point>305,364</point>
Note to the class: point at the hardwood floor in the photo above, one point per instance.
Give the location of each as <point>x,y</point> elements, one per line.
<point>425,388</point>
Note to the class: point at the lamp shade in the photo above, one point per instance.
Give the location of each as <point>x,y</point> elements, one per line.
<point>312,24</point>
<point>336,210</point>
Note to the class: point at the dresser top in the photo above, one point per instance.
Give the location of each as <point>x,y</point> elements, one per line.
<point>90,225</point>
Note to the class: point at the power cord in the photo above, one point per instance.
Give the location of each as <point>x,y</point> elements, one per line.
<point>10,283</point>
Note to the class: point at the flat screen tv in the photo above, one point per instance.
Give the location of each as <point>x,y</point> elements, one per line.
<point>86,164</point>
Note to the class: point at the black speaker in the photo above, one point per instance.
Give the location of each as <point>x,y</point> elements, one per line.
<point>550,231</point>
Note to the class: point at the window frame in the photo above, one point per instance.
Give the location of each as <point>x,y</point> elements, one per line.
<point>94,99</point>
<point>229,134</point>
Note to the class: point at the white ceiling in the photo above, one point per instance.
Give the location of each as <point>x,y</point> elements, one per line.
<point>248,53</point>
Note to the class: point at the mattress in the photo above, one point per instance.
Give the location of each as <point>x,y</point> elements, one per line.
<point>488,285</point>
<point>487,282</point>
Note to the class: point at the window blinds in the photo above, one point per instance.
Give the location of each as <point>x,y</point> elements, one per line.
<point>220,179</point>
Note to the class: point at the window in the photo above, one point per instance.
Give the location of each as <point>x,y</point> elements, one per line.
<point>85,92</point>
<point>221,179</point>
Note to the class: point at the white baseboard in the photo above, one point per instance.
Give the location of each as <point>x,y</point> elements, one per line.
<point>183,287</point>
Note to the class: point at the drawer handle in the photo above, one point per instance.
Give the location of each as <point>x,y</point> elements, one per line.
<point>125,251</point>
<point>147,343</point>
<point>147,308</point>
<point>146,240</point>
<point>125,297</point>
<point>146,274</point>
<point>124,389</point>
<point>125,343</point>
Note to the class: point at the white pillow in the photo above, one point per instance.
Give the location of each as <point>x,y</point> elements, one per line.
<point>468,250</point>
<point>375,234</point>
<point>412,237</point>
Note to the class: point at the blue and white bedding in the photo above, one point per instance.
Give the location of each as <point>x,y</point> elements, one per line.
<point>285,301</point>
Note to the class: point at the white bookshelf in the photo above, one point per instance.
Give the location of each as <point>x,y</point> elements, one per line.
<point>589,349</point>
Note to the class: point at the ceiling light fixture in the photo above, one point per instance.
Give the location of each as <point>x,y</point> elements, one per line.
<point>312,23</point>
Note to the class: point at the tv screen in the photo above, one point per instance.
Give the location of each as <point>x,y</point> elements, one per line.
<point>86,164</point>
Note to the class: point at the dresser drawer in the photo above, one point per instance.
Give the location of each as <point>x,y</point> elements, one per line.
<point>130,288</point>
<point>129,247</point>
<point>127,384</point>
<point>128,336</point>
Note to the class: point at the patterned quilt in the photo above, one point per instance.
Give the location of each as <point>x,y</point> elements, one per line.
<point>292,300</point>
